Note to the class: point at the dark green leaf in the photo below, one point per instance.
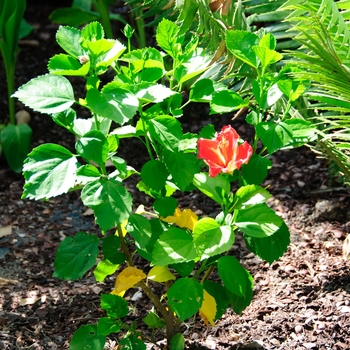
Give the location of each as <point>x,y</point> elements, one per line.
<point>154,174</point>
<point>258,221</point>
<point>106,326</point>
<point>233,275</point>
<point>86,338</point>
<point>152,320</point>
<point>165,206</point>
<point>256,170</point>
<point>217,291</point>
<point>110,248</point>
<point>185,297</point>
<point>114,305</point>
<point>270,248</point>
<point>93,146</point>
<point>113,204</point>
<point>182,167</point>
<point>15,142</point>
<point>75,256</point>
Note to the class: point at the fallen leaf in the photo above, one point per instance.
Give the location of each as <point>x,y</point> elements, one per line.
<point>346,248</point>
<point>5,231</point>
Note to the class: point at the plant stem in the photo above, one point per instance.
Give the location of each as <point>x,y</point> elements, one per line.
<point>124,246</point>
<point>104,12</point>
<point>140,24</point>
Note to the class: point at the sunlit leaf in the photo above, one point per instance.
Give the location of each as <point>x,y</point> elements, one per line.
<point>47,93</point>
<point>185,218</point>
<point>160,274</point>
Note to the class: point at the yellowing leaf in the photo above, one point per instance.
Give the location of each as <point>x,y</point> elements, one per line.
<point>123,226</point>
<point>160,274</point>
<point>185,219</point>
<point>208,309</point>
<point>127,279</point>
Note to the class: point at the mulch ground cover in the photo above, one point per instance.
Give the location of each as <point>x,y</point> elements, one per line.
<point>301,301</point>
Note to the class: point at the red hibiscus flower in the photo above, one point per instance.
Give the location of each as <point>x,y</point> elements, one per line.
<point>224,153</point>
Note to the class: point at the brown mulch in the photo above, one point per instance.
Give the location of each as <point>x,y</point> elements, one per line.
<point>301,301</point>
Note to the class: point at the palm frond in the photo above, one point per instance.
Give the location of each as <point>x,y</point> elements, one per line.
<point>324,60</point>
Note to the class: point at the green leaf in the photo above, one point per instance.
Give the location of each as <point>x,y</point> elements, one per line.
<point>185,297</point>
<point>303,132</point>
<point>110,201</point>
<point>267,56</point>
<point>241,43</point>
<point>152,320</point>
<point>65,118</point>
<point>114,305</point>
<point>93,32</point>
<point>173,246</point>
<point>211,239</point>
<point>106,326</point>
<point>248,196</point>
<point>226,101</point>
<point>268,41</point>
<point>182,167</point>
<point>166,36</point>
<point>239,303</point>
<point>132,342</point>
<point>177,342</point>
<point>184,269</point>
<point>93,146</point>
<point>270,248</point>
<point>165,206</point>
<point>75,256</point>
<point>167,131</point>
<point>154,174</point>
<point>144,234</point>
<point>203,90</point>
<point>154,93</point>
<point>192,67</point>
<point>274,136</point>
<point>258,221</point>
<point>217,291</point>
<point>15,142</point>
<point>112,103</point>
<point>233,275</point>
<point>67,65</point>
<point>87,337</point>
<point>104,269</point>
<point>47,94</point>
<point>256,170</point>
<point>215,188</point>
<point>110,247</point>
<point>69,39</point>
<point>291,88</point>
<point>72,16</point>
<point>87,173</point>
<point>49,171</point>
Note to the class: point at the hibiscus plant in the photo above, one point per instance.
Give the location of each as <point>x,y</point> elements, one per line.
<point>180,251</point>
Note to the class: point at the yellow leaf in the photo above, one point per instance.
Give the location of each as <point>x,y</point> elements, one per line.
<point>127,279</point>
<point>208,309</point>
<point>160,274</point>
<point>185,219</point>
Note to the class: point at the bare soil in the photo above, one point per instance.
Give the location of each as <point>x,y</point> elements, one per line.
<point>301,301</point>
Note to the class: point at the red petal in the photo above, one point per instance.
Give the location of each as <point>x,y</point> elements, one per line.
<point>210,152</point>
<point>244,152</point>
<point>228,139</point>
